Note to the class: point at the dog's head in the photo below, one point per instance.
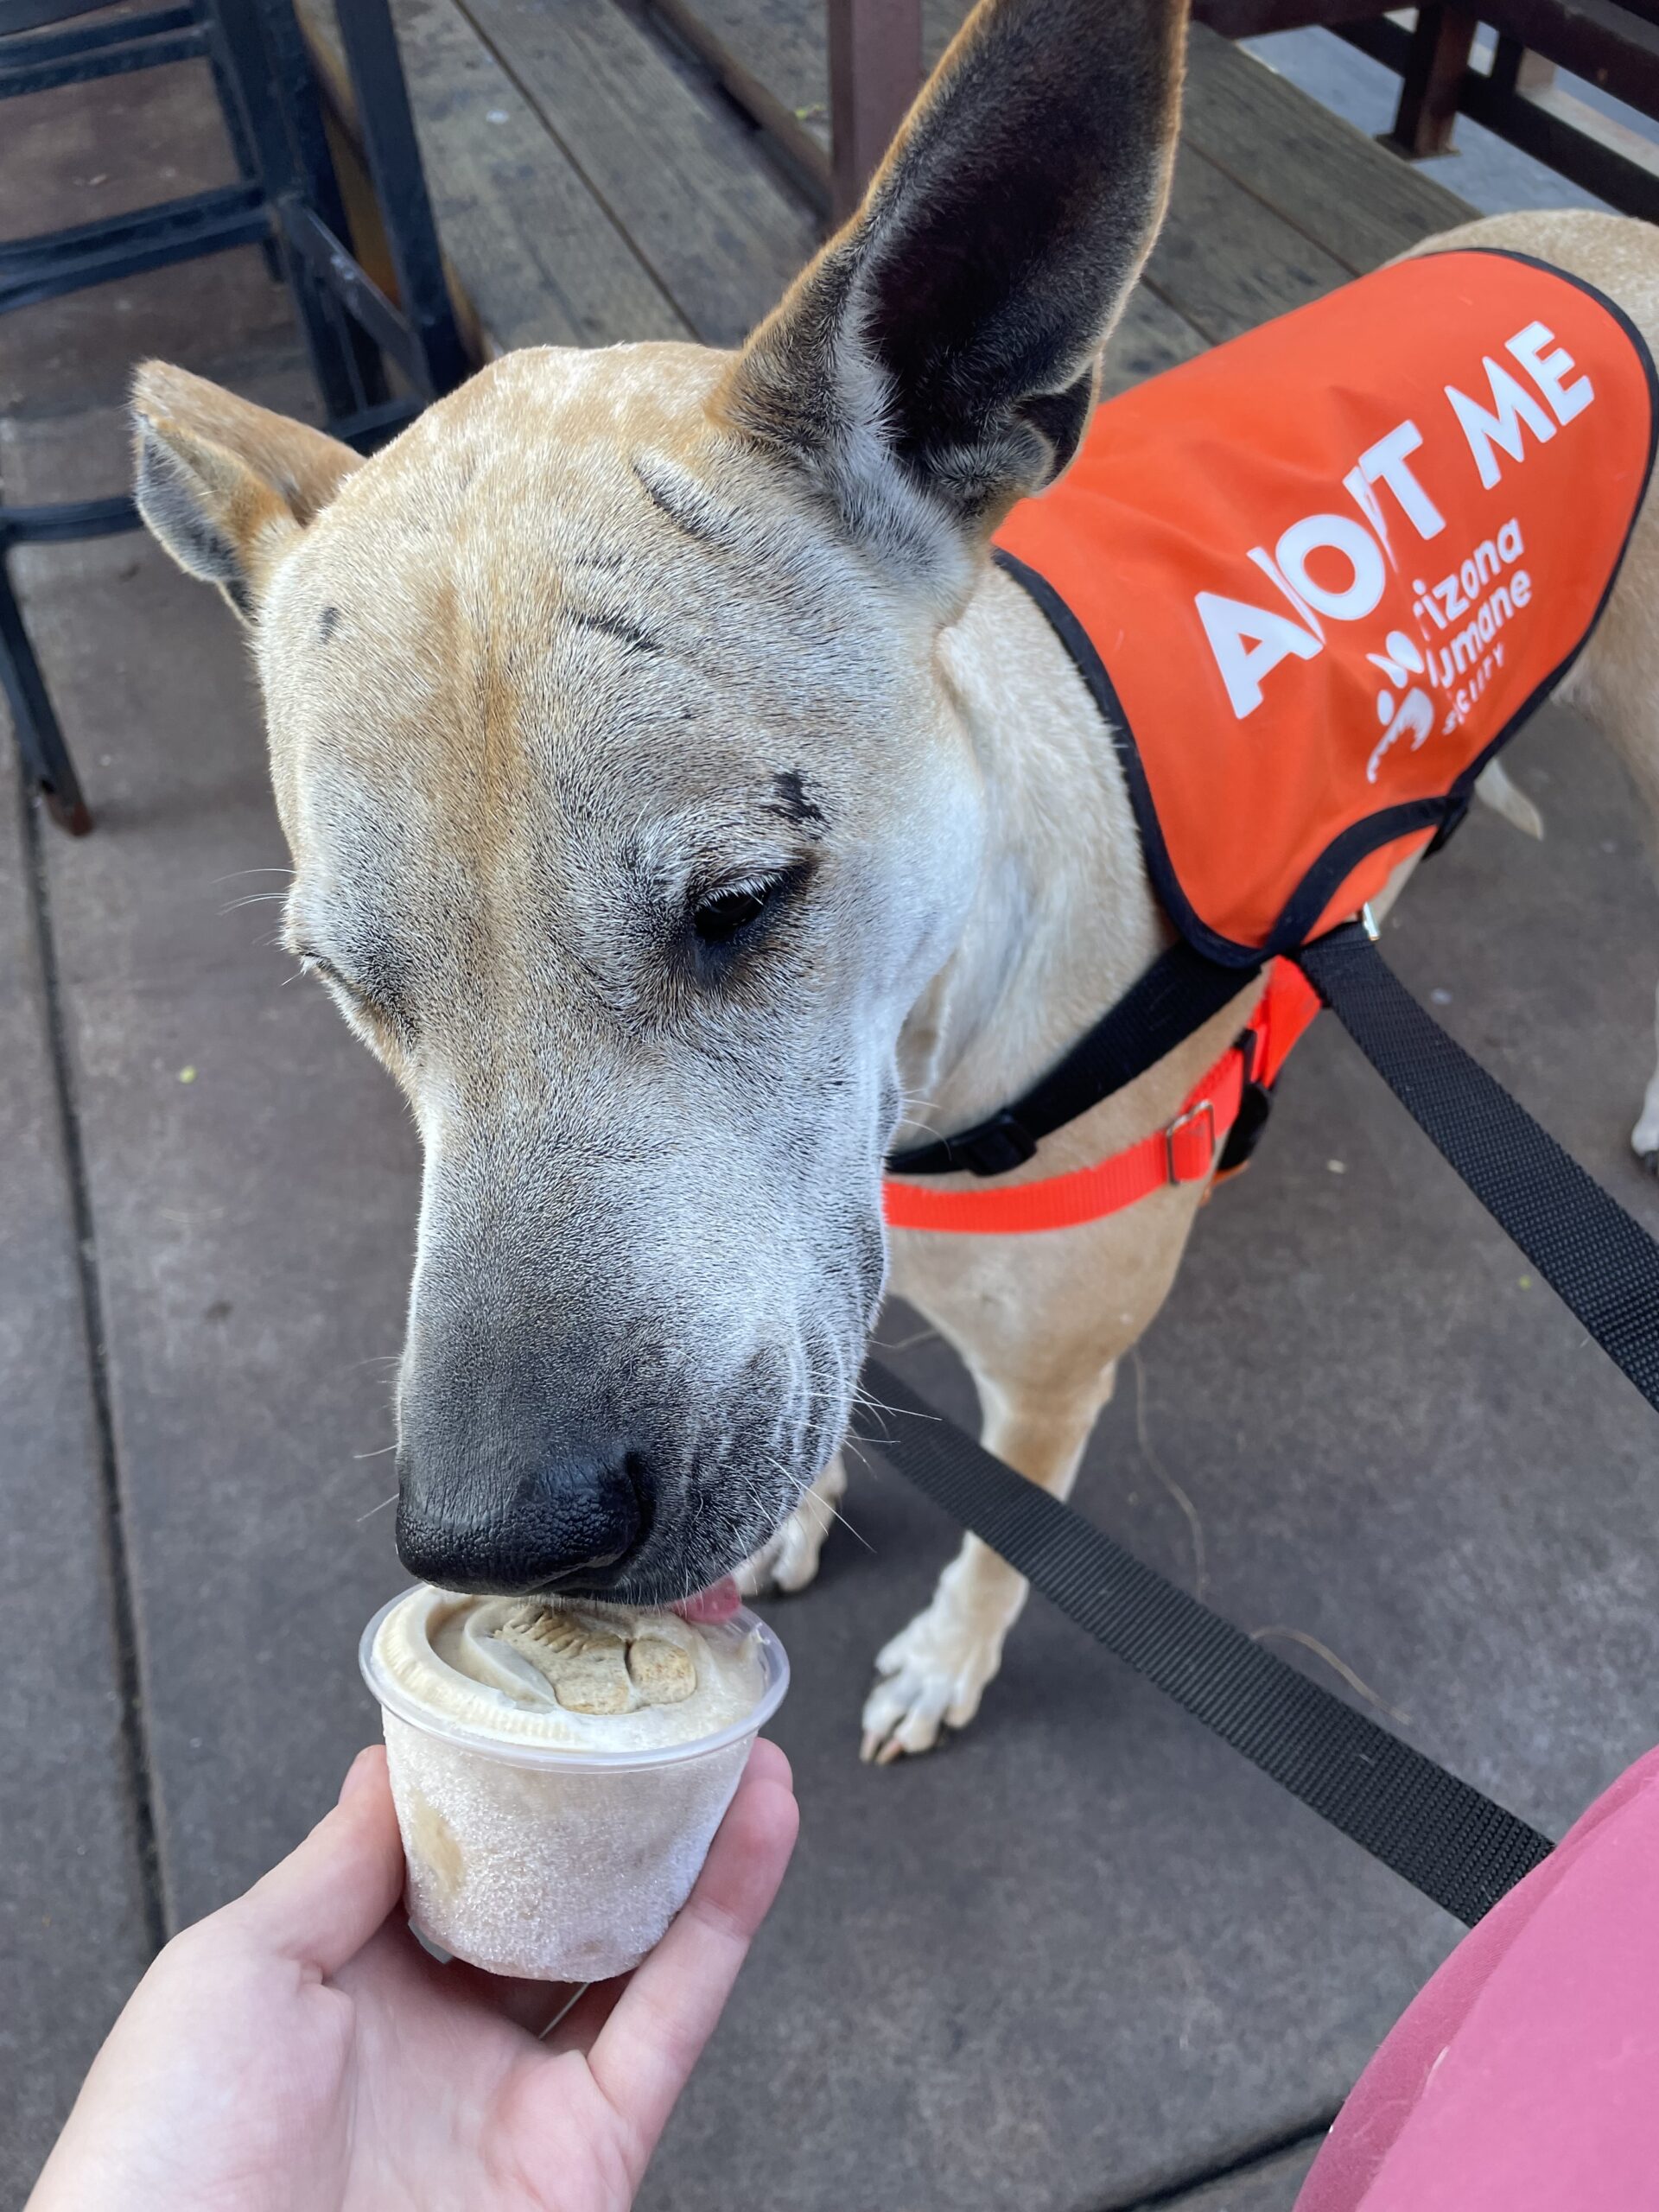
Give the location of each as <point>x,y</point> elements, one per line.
<point>631,812</point>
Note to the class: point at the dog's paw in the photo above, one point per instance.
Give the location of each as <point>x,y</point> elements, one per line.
<point>790,1561</point>
<point>934,1674</point>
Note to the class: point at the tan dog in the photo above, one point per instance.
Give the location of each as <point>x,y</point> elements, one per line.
<point>673,789</point>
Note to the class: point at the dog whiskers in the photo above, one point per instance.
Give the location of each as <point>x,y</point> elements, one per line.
<point>909,1344</point>
<point>373,1509</point>
<point>868,1403</point>
<point>255,898</point>
<point>803,1488</point>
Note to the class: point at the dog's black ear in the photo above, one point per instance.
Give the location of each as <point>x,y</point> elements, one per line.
<point>224,485</point>
<point>936,360</point>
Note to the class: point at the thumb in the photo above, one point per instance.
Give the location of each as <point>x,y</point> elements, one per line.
<point>322,1902</point>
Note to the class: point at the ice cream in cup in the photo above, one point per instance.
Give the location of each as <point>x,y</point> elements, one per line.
<point>560,1769</point>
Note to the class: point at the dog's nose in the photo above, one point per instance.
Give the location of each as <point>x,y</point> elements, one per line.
<point>566,1524</point>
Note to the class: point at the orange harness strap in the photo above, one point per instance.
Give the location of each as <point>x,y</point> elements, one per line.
<point>1186,1151</point>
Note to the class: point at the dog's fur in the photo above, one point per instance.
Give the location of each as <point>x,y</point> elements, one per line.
<point>614,656</point>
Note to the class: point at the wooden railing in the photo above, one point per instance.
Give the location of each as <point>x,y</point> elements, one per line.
<point>875,66</point>
<point>1518,99</point>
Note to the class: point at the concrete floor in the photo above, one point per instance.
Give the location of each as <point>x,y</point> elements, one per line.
<point>1085,1957</point>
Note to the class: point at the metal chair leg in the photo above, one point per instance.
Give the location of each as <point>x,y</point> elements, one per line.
<point>236,126</point>
<point>271,71</point>
<point>45,757</point>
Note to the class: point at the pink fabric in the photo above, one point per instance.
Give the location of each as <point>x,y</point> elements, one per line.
<point>1524,2076</point>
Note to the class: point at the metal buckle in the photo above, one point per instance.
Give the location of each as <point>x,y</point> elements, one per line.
<point>1205,1108</point>
<point>1368,923</point>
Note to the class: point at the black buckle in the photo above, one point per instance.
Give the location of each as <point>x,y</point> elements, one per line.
<point>998,1145</point>
<point>1255,1105</point>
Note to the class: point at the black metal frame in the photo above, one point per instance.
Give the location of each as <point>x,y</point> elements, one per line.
<point>289,203</point>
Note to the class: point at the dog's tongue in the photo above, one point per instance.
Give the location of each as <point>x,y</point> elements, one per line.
<point>717,1603</point>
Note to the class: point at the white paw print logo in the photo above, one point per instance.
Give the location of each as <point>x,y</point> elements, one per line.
<point>1413,716</point>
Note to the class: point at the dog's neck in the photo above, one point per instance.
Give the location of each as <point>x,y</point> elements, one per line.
<point>1064,919</point>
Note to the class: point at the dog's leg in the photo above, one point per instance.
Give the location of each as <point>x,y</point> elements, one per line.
<point>1504,795</point>
<point>934,1672</point>
<point>1644,1137</point>
<point>1622,701</point>
<point>790,1561</point>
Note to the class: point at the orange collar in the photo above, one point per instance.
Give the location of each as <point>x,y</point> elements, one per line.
<point>1185,1151</point>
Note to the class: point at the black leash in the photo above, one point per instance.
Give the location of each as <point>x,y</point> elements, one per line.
<point>1456,1845</point>
<point>1599,1258</point>
<point>1448,1840</point>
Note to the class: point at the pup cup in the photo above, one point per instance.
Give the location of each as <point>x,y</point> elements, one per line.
<point>550,1841</point>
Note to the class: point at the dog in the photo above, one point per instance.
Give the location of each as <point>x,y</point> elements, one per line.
<point>684,809</point>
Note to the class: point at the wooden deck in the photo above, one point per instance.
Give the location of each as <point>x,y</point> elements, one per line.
<point>611,169</point>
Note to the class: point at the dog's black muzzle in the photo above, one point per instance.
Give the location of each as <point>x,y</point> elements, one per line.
<point>571,1522</point>
<point>522,1467</point>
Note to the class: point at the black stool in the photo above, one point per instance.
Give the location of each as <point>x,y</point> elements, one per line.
<point>288,202</point>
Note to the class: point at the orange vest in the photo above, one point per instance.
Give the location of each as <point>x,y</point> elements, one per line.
<point>1317,576</point>
<point>1314,579</point>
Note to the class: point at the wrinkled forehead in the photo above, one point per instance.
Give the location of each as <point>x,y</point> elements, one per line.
<point>566,590</point>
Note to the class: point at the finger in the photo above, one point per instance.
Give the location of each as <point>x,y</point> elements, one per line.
<point>667,2011</point>
<point>325,1900</point>
<point>769,1762</point>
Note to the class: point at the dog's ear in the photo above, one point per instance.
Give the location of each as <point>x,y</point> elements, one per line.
<point>224,485</point>
<point>937,361</point>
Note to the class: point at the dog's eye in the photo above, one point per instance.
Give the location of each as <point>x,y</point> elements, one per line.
<point>724,915</point>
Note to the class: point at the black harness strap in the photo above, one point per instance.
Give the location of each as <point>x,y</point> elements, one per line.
<point>1596,1256</point>
<point>1176,997</point>
<point>1448,1840</point>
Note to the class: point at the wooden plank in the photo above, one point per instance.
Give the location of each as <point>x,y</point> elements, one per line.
<point>540,261</point>
<point>686,182</point>
<point>1225,261</point>
<point>1360,204</point>
<point>780,44</point>
<point>1326,179</point>
<point>1150,337</point>
<point>763,52</point>
<point>773,57</point>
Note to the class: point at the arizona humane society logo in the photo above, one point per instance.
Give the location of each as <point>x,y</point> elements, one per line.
<point>1335,567</point>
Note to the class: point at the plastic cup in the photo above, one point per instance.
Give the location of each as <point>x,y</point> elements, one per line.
<point>552,1864</point>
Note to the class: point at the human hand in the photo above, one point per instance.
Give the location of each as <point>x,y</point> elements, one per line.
<point>298,2051</point>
